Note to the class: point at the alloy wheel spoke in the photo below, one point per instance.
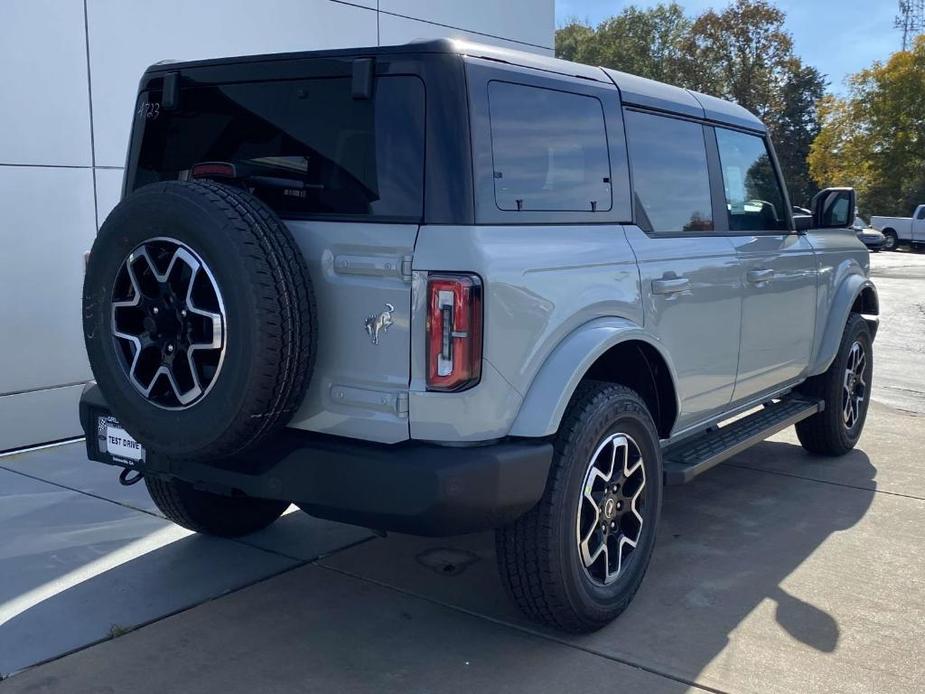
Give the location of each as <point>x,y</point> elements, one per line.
<point>169,316</point>
<point>854,385</point>
<point>607,573</point>
<point>610,520</point>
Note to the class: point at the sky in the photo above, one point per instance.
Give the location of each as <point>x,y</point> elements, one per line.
<point>838,37</point>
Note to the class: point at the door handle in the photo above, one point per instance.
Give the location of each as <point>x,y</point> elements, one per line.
<point>759,276</point>
<point>671,286</point>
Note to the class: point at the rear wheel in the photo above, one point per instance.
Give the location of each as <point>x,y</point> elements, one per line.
<point>890,240</point>
<point>212,514</point>
<point>845,388</point>
<point>576,560</point>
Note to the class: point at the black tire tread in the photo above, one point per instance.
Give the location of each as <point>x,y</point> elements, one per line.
<point>895,238</point>
<point>212,514</point>
<point>533,582</point>
<point>824,433</point>
<point>289,299</point>
<point>286,335</point>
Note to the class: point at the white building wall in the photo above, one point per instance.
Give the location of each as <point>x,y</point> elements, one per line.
<point>68,75</point>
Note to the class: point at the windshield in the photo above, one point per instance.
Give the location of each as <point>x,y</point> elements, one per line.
<point>306,147</point>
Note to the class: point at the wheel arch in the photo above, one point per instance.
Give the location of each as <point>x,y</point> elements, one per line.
<point>615,350</point>
<point>867,301</point>
<point>856,294</point>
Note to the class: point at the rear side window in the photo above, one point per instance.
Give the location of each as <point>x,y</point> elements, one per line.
<point>671,181</point>
<point>306,147</point>
<point>753,194</point>
<point>921,214</point>
<point>549,149</point>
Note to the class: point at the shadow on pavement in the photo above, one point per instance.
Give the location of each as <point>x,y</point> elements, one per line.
<point>728,544</point>
<point>74,570</point>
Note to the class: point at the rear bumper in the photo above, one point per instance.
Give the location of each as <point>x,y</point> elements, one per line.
<point>412,487</point>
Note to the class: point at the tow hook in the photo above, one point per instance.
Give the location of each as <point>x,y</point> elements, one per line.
<point>126,481</point>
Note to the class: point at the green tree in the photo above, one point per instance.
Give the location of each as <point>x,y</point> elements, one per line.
<point>742,53</point>
<point>573,40</point>
<point>644,42</point>
<point>795,125</point>
<point>874,138</point>
<point>745,54</point>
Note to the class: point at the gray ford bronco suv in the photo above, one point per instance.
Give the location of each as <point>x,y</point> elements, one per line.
<point>441,288</point>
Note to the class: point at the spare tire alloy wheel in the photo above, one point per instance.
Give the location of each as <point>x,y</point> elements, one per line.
<point>610,520</point>
<point>199,321</point>
<point>168,322</point>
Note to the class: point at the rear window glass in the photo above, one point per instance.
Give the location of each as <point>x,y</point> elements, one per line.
<point>306,147</point>
<point>549,149</point>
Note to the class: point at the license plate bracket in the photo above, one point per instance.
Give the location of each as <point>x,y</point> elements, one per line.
<point>116,445</point>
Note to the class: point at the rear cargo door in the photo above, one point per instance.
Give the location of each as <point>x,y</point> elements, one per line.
<point>341,160</point>
<point>361,264</point>
<point>362,280</point>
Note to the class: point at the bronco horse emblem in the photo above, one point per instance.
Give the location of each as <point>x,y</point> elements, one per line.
<point>379,323</point>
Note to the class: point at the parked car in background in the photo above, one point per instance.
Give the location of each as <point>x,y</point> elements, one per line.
<point>902,230</point>
<point>870,237</point>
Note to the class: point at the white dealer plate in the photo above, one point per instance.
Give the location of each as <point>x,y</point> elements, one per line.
<point>117,442</point>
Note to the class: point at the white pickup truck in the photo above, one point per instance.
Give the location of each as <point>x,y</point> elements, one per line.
<point>909,230</point>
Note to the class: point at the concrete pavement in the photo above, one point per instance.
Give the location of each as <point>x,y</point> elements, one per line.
<point>82,558</point>
<point>900,348</point>
<point>777,572</point>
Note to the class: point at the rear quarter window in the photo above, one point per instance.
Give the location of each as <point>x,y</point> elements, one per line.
<point>305,147</point>
<point>549,149</point>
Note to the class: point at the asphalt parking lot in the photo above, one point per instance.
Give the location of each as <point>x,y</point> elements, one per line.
<point>775,572</point>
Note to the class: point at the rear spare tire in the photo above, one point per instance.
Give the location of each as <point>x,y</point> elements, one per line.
<point>198,319</point>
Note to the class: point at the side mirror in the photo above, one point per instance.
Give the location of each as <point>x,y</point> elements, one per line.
<point>833,208</point>
<point>802,222</point>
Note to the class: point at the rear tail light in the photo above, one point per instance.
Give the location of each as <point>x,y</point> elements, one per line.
<point>454,331</point>
<point>209,169</point>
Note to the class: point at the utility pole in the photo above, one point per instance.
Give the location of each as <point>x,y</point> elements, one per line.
<point>911,19</point>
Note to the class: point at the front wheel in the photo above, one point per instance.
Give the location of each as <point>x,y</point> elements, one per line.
<point>575,561</point>
<point>845,388</point>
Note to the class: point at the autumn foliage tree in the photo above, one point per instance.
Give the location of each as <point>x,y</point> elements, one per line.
<point>874,138</point>
<point>745,54</point>
<point>742,53</point>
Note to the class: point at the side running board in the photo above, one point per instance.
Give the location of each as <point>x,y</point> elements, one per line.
<point>687,459</point>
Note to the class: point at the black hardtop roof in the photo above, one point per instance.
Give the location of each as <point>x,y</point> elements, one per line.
<point>634,90</point>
